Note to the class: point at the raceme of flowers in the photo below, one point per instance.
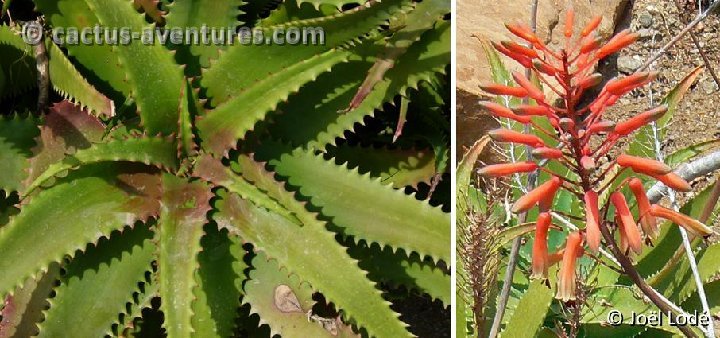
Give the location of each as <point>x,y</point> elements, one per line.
<point>569,73</point>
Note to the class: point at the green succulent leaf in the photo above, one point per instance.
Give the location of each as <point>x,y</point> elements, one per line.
<point>153,78</point>
<point>366,208</point>
<point>149,150</point>
<point>299,249</point>
<point>184,209</point>
<point>223,126</point>
<point>73,86</point>
<point>229,75</point>
<point>106,199</point>
<point>529,316</point>
<point>17,138</point>
<point>311,117</point>
<point>285,303</point>
<point>17,64</point>
<point>195,14</point>
<point>219,279</point>
<point>401,167</point>
<point>395,268</point>
<point>24,309</point>
<point>112,268</point>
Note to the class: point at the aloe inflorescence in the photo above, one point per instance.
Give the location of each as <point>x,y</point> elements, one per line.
<point>581,141</point>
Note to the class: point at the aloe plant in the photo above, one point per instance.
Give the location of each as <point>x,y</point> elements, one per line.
<point>610,264</point>
<point>204,187</point>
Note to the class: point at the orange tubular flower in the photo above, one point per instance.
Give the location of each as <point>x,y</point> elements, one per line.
<point>569,19</point>
<point>503,112</point>
<point>540,261</point>
<point>505,169</point>
<point>643,165</point>
<point>526,109</point>
<point>520,49</point>
<point>629,227</point>
<point>618,42</point>
<point>591,26</point>
<point>544,190</point>
<point>647,220</point>
<point>544,68</point>
<point>591,80</point>
<point>506,135</point>
<point>566,282</point>
<point>522,32</point>
<point>533,92</point>
<point>497,89</point>
<point>673,181</point>
<point>624,85</point>
<point>521,59</point>
<point>590,45</point>
<point>637,121</point>
<point>690,224</point>
<point>601,126</point>
<point>592,220</point>
<point>547,153</point>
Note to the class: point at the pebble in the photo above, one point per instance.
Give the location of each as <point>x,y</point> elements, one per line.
<point>647,34</point>
<point>709,86</point>
<point>645,20</point>
<point>628,64</point>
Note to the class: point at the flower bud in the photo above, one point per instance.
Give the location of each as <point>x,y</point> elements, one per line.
<point>673,181</point>
<point>591,26</point>
<point>690,224</point>
<point>506,135</point>
<point>497,89</point>
<point>587,162</point>
<point>628,83</point>
<point>533,110</point>
<point>522,32</point>
<point>501,111</point>
<point>505,169</point>
<point>627,223</point>
<point>544,190</point>
<point>647,220</point>
<point>566,276</point>
<point>544,68</point>
<point>519,58</point>
<point>626,127</point>
<point>618,42</point>
<point>643,165</point>
<point>547,153</point>
<point>592,220</point>
<point>520,49</point>
<point>540,262</point>
<point>590,81</point>
<point>601,126</point>
<point>533,92</point>
<point>569,21</point>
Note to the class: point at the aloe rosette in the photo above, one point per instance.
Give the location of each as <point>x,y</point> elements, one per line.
<point>223,190</point>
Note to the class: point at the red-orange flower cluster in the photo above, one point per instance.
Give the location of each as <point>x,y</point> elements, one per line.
<point>569,72</point>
